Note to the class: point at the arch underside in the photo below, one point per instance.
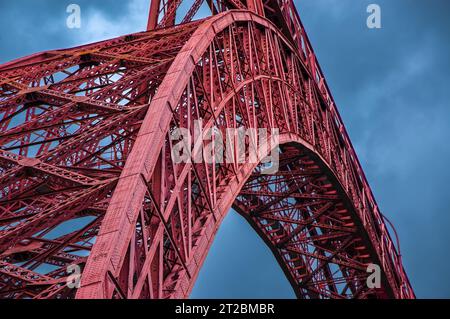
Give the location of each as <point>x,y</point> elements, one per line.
<point>95,143</point>
<point>303,217</point>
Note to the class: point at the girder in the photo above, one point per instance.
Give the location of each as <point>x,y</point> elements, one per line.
<point>87,177</point>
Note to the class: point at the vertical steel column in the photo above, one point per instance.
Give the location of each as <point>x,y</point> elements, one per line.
<point>256,6</point>
<point>153,15</point>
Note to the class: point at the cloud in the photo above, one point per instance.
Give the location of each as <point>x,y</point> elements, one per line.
<point>35,26</point>
<point>99,26</point>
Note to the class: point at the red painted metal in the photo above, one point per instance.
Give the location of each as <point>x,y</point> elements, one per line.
<point>87,176</point>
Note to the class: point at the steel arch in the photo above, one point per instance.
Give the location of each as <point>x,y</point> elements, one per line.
<point>153,219</point>
<point>136,176</point>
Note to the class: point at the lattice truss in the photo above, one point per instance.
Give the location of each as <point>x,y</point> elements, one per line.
<point>87,177</point>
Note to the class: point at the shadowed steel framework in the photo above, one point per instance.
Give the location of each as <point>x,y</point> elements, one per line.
<point>88,180</point>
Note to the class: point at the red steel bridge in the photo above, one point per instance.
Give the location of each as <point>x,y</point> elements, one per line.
<point>88,180</point>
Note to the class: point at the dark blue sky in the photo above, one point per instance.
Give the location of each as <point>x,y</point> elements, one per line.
<point>391,86</point>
